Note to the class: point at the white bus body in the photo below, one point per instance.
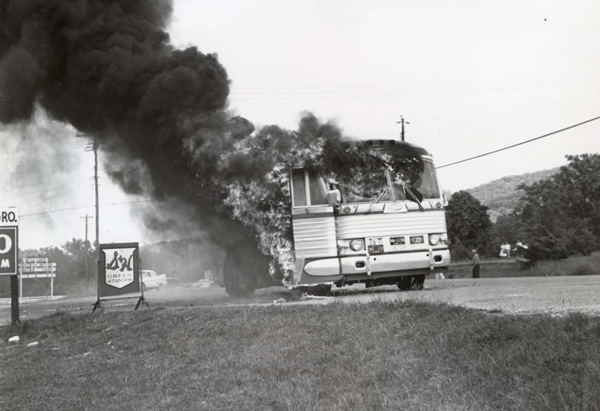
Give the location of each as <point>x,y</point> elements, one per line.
<point>395,239</point>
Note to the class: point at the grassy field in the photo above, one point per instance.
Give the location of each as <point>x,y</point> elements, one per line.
<point>380,356</point>
<point>579,265</point>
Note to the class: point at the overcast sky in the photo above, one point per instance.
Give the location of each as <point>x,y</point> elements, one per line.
<point>469,77</point>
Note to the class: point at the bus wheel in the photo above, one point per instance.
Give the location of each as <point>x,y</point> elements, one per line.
<point>236,284</point>
<point>411,282</point>
<point>418,282</point>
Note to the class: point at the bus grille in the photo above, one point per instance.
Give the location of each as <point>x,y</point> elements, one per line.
<point>381,225</point>
<point>315,237</point>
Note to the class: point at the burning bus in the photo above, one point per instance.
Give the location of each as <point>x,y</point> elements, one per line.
<point>352,211</point>
<point>377,219</point>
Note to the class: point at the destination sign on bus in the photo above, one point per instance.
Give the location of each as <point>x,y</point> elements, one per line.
<point>397,241</point>
<point>416,239</point>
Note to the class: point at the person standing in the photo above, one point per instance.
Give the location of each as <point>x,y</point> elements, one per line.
<point>475,264</point>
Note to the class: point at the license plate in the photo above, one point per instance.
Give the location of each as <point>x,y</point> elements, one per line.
<point>397,241</point>
<point>376,249</point>
<point>417,239</point>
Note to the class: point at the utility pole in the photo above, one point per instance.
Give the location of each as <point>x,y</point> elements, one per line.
<point>87,217</point>
<point>402,129</point>
<point>86,243</point>
<point>94,148</point>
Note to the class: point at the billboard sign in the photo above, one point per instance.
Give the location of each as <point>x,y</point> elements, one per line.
<point>8,250</point>
<point>119,271</point>
<point>9,241</point>
<point>36,265</point>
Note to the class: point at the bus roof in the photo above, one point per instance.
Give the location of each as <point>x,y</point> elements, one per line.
<point>395,146</point>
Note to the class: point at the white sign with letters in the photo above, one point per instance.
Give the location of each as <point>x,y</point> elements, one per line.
<point>119,266</point>
<point>9,217</point>
<point>9,241</point>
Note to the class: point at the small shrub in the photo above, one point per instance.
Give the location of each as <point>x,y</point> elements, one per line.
<point>582,269</point>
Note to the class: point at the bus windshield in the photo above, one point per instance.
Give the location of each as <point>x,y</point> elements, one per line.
<point>411,180</point>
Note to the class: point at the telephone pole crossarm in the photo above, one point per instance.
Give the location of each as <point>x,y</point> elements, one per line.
<point>402,127</point>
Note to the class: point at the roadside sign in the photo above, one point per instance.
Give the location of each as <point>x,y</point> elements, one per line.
<point>118,271</point>
<point>9,256</point>
<point>9,241</point>
<point>34,268</point>
<point>34,265</point>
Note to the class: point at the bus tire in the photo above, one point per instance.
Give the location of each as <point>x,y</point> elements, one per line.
<point>411,282</point>
<point>236,284</point>
<point>418,282</point>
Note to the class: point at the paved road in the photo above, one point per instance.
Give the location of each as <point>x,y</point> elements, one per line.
<point>554,295</point>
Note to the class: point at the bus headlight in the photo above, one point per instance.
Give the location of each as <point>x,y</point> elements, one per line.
<point>349,247</point>
<point>437,239</point>
<point>357,244</point>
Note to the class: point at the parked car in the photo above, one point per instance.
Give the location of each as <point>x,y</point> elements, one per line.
<point>202,284</point>
<point>152,280</point>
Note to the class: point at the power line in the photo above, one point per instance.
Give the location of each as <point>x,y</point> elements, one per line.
<point>88,206</point>
<point>521,143</point>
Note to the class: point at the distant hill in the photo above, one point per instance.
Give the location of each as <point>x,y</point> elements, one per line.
<point>501,196</point>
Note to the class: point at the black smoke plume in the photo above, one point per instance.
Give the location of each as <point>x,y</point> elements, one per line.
<point>107,68</point>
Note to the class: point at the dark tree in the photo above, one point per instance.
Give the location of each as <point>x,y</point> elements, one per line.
<point>82,258</point>
<point>561,215</point>
<point>468,225</point>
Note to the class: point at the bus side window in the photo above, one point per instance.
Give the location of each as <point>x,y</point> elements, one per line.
<point>299,187</point>
<point>317,190</point>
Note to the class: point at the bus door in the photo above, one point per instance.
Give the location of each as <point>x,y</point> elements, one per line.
<point>313,224</point>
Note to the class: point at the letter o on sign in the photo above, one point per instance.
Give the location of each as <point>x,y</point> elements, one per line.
<point>7,242</point>
<point>9,249</point>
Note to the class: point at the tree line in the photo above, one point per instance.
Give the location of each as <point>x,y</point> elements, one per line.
<point>557,217</point>
<point>76,265</point>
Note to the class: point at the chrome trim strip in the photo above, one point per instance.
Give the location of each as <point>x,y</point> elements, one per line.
<point>312,215</point>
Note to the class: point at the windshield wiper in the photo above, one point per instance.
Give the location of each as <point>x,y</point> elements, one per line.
<point>377,199</point>
<point>411,194</point>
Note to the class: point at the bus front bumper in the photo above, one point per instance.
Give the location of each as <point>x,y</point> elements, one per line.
<point>365,267</point>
